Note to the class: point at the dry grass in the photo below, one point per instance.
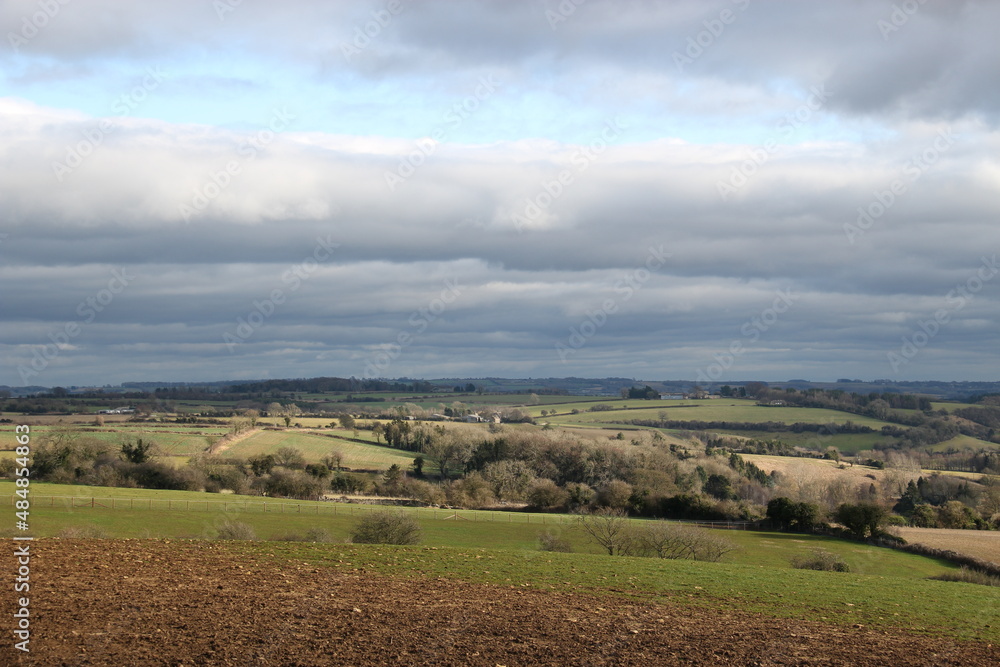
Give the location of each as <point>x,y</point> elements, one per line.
<point>979,543</point>
<point>820,470</point>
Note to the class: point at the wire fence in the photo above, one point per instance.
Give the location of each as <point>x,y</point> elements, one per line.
<point>325,509</point>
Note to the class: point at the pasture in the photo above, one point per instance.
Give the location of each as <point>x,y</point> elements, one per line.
<point>315,446</point>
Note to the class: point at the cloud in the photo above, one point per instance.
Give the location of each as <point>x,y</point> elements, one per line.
<point>534,161</point>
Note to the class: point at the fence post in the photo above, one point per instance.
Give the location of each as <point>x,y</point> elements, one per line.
<point>91,501</point>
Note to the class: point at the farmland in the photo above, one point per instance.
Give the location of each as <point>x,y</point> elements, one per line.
<point>343,604</point>
<point>315,446</point>
<point>467,555</point>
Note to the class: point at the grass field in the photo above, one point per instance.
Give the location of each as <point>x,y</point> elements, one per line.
<point>962,442</point>
<point>713,410</point>
<point>960,610</point>
<point>124,513</point>
<point>314,447</point>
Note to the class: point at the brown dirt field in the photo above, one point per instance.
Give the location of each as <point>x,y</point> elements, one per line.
<point>979,543</point>
<point>159,602</point>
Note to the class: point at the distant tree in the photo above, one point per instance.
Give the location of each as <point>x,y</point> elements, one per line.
<point>862,519</point>
<point>544,494</point>
<point>318,470</point>
<point>261,464</point>
<point>720,487</point>
<point>611,529</point>
<point>334,460</point>
<point>418,466</point>
<point>392,478</point>
<point>346,421</point>
<point>137,451</point>
<point>289,457</point>
<point>615,494</point>
<point>252,416</point>
<point>785,514</point>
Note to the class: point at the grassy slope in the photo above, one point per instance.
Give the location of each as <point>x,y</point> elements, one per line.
<point>961,610</point>
<point>718,410</point>
<point>195,515</point>
<point>314,447</point>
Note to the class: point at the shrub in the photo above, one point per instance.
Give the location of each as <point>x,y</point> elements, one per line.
<point>236,530</point>
<point>386,527</point>
<point>84,532</point>
<point>820,559</point>
<point>970,576</point>
<point>674,541</point>
<point>553,542</point>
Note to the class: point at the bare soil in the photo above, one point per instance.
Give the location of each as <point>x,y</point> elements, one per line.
<point>161,602</point>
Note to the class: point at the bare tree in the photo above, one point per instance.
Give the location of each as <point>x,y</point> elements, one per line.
<point>610,528</point>
<point>672,541</point>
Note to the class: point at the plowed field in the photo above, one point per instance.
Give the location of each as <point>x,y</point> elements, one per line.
<point>155,602</point>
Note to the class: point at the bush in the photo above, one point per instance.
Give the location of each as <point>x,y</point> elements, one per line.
<point>553,542</point>
<point>236,530</point>
<point>970,576</point>
<point>820,559</point>
<point>84,532</point>
<point>675,541</point>
<point>386,527</point>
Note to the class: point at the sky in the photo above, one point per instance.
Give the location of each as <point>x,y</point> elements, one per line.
<point>713,190</point>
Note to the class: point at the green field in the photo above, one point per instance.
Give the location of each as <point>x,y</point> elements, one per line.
<point>962,442</point>
<point>885,588</point>
<point>314,447</point>
<point>712,410</point>
<point>151,513</point>
<point>880,601</point>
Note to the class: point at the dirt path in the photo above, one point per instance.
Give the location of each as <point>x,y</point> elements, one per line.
<point>160,602</point>
<point>227,441</point>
